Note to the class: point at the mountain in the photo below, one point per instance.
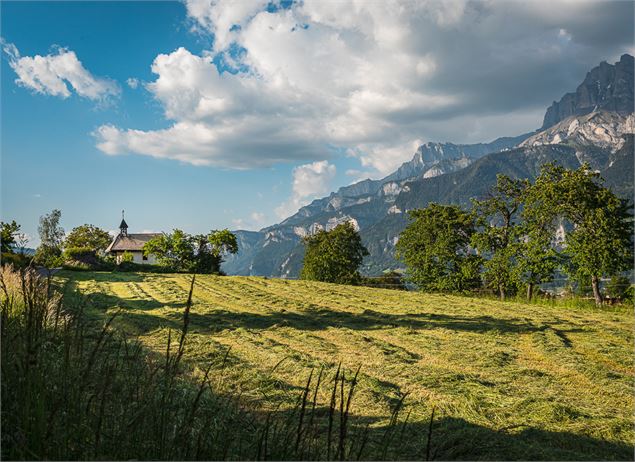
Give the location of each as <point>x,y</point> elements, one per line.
<point>606,87</point>
<point>434,159</point>
<point>277,250</point>
<point>455,173</point>
<point>602,129</point>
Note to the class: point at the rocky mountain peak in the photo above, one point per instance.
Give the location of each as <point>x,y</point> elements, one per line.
<point>606,87</point>
<point>603,129</point>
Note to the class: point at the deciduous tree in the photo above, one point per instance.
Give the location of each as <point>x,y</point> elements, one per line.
<point>498,237</point>
<point>599,242</point>
<point>436,249</point>
<point>334,256</point>
<point>174,250</point>
<point>88,237</point>
<point>48,254</point>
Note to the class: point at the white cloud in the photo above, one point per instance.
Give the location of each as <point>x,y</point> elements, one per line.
<point>223,17</point>
<point>254,222</point>
<point>309,181</point>
<point>132,82</point>
<point>52,74</point>
<point>372,77</point>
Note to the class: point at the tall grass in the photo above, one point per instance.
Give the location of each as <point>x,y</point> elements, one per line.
<point>74,388</point>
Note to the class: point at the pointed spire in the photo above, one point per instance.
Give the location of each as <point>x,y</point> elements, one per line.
<point>123,227</point>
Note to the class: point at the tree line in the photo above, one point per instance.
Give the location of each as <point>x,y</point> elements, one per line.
<point>519,236</point>
<point>84,248</point>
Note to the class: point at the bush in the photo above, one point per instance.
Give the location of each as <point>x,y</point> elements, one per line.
<point>128,266</point>
<point>48,256</point>
<point>81,255</point>
<point>620,288</point>
<point>18,260</point>
<point>388,280</point>
<point>127,257</point>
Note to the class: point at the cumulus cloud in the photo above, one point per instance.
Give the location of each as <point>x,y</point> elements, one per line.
<point>309,181</point>
<point>315,78</point>
<point>52,74</point>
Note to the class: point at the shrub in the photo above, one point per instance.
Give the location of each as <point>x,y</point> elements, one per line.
<point>84,255</point>
<point>127,257</point>
<point>388,280</point>
<point>18,260</point>
<point>620,288</point>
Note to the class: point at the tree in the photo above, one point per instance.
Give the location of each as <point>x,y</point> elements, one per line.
<point>538,257</point>
<point>212,249</point>
<point>436,249</point>
<point>334,256</point>
<point>48,254</point>
<point>222,242</point>
<point>10,236</point>
<point>88,237</point>
<point>200,253</point>
<point>599,242</point>
<point>499,233</point>
<point>174,250</point>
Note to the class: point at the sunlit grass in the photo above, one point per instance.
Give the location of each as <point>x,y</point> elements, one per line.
<point>534,381</point>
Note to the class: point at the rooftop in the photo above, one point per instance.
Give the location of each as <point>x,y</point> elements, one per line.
<point>130,242</point>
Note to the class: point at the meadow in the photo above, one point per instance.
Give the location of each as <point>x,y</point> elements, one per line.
<point>438,377</point>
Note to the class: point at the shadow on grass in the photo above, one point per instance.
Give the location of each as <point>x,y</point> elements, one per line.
<point>312,319</point>
<point>451,439</point>
<point>457,439</point>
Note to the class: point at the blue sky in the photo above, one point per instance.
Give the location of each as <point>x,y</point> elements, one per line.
<point>49,159</point>
<point>242,112</point>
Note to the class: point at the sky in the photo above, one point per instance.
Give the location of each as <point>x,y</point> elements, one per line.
<point>204,114</point>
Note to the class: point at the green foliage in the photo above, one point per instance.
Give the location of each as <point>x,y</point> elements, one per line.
<point>50,231</point>
<point>78,253</point>
<point>174,250</point>
<point>49,253</point>
<point>80,258</point>
<point>620,288</point>
<point>10,236</point>
<point>18,260</point>
<point>211,250</point>
<point>126,257</point>
<point>201,253</point>
<point>499,233</point>
<point>388,280</point>
<point>435,248</point>
<point>538,258</point>
<point>222,242</point>
<point>48,256</point>
<point>334,256</point>
<point>599,243</point>
<point>88,236</point>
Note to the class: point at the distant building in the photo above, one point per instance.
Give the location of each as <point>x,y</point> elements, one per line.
<point>132,243</point>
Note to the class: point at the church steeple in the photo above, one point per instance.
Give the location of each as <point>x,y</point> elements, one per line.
<point>123,227</point>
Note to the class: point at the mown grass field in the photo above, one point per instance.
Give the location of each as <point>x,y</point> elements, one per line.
<point>506,380</point>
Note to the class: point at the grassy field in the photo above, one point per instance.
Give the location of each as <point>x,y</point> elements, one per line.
<point>505,380</point>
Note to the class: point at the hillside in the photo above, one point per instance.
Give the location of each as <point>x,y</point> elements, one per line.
<point>507,380</point>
